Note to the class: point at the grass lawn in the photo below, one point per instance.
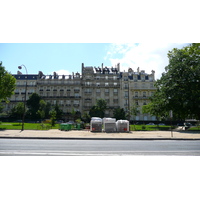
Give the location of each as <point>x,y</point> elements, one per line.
<point>27,126</point>
<point>149,128</point>
<point>196,128</point>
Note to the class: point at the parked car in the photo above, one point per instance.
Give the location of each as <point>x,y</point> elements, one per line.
<point>150,124</point>
<point>180,124</point>
<point>188,124</point>
<point>161,124</point>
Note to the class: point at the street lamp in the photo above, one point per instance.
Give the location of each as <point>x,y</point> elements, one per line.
<point>20,67</point>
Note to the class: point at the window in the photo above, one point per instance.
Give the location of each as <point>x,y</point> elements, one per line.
<point>115,84</point>
<point>114,77</point>
<point>144,94</point>
<point>88,90</point>
<point>106,84</point>
<point>153,118</point>
<point>115,91</point>
<point>87,83</point>
<point>125,78</point>
<point>106,90</point>
<point>135,78</point>
<point>97,84</point>
<point>126,94</point>
<point>76,94</point>
<point>136,85</point>
<point>115,100</point>
<point>87,77</point>
<point>98,91</point>
<point>76,102</point>
<point>136,94</point>
<point>143,78</point>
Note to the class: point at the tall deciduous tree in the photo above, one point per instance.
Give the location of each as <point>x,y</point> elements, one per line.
<point>7,84</point>
<point>99,109</point>
<point>179,87</point>
<point>33,104</point>
<point>18,110</point>
<point>59,112</point>
<point>42,108</point>
<point>119,113</point>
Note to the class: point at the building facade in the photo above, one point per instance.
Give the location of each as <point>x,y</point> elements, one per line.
<point>81,91</point>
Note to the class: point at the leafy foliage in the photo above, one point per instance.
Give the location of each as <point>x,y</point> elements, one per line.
<point>18,110</point>
<point>179,87</point>
<point>59,112</point>
<point>53,117</point>
<point>7,84</point>
<point>119,113</point>
<point>86,117</point>
<point>42,108</point>
<point>99,109</point>
<point>134,110</point>
<point>33,104</point>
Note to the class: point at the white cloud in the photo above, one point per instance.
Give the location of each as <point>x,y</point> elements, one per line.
<point>147,56</point>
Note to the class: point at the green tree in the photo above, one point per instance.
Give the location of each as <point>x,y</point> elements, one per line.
<point>53,117</point>
<point>86,117</point>
<point>7,84</point>
<point>99,109</point>
<point>33,104</point>
<point>59,112</point>
<point>75,114</point>
<point>42,108</point>
<point>1,107</point>
<point>134,110</point>
<point>47,110</point>
<point>119,113</point>
<point>179,87</point>
<point>18,110</point>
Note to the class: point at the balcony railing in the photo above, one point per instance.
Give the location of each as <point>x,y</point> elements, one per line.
<point>61,97</point>
<point>141,97</point>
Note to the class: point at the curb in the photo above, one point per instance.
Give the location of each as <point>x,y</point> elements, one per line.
<point>80,138</point>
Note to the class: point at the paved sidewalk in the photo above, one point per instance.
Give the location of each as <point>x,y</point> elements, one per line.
<point>85,134</point>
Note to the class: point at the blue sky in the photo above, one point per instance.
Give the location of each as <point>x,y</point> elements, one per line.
<point>65,58</point>
<point>49,57</point>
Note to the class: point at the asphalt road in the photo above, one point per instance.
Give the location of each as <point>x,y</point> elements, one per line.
<point>51,147</point>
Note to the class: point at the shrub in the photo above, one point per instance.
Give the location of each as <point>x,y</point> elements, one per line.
<point>143,127</point>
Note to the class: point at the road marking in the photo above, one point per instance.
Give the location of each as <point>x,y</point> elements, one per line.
<point>99,152</point>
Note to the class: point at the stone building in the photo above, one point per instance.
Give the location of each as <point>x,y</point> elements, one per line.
<point>81,91</point>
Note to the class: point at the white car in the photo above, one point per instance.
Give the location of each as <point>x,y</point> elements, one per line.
<point>150,124</point>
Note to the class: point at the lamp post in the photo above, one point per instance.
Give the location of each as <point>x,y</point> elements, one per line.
<point>20,67</point>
